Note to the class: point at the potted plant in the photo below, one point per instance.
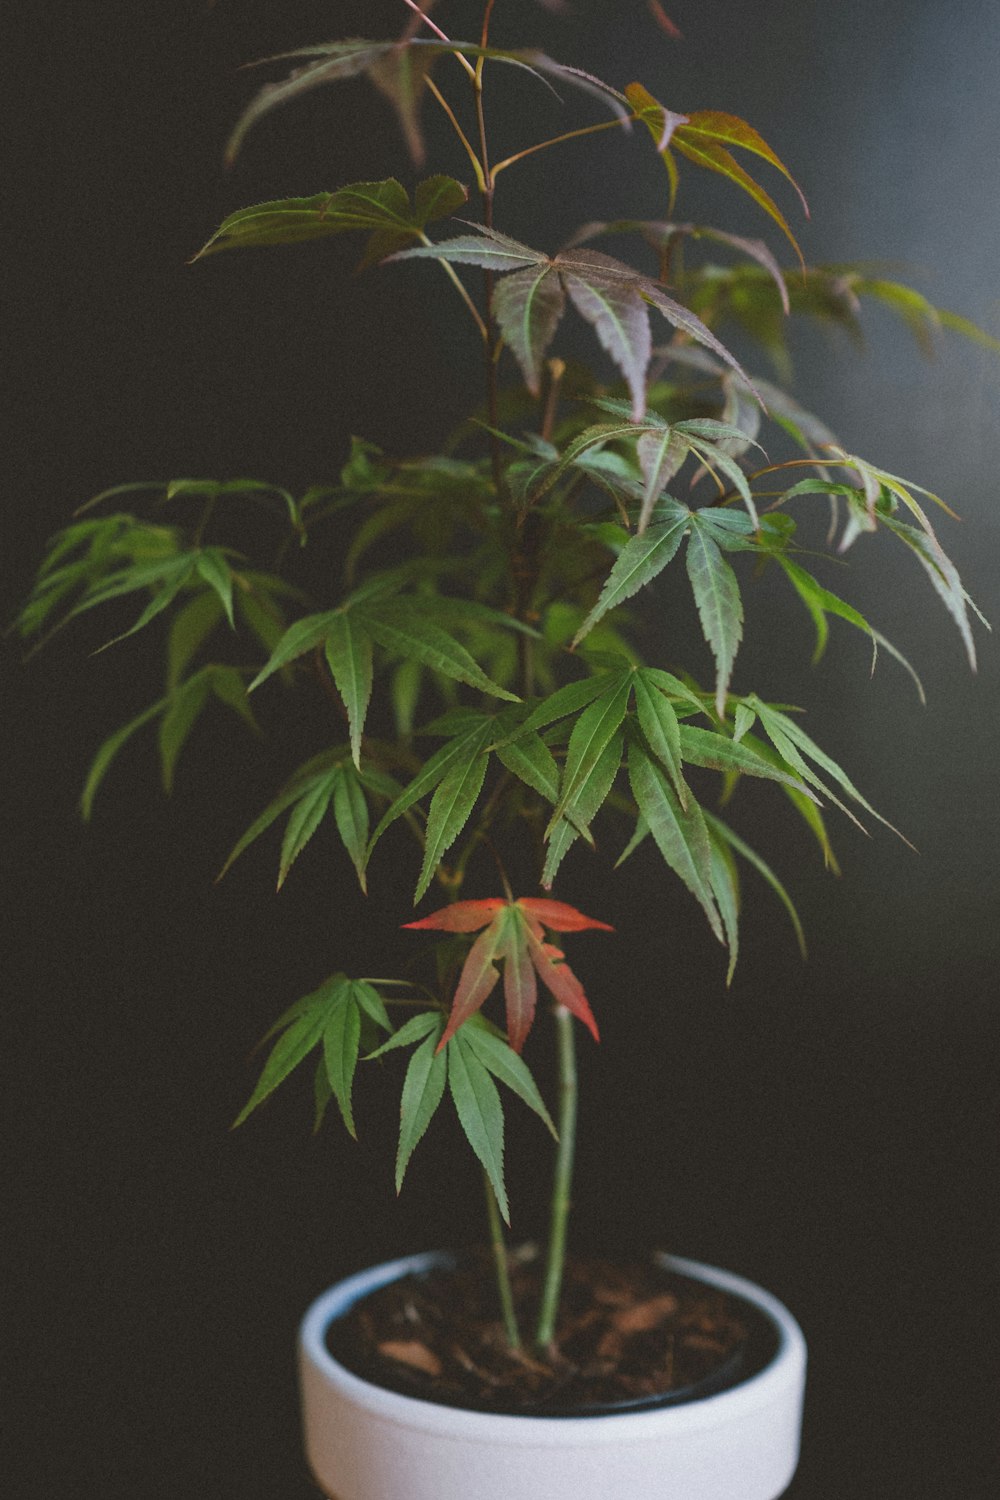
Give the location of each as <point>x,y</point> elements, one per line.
<point>496,706</point>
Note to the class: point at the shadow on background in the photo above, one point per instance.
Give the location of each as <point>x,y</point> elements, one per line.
<point>829,1128</point>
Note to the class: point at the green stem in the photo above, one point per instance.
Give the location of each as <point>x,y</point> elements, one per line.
<point>502,1269</point>
<point>562,1183</point>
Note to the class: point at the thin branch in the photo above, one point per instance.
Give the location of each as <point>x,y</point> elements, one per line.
<point>439,33</point>
<point>557,140</point>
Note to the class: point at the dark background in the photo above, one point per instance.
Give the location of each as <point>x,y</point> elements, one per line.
<point>828,1129</point>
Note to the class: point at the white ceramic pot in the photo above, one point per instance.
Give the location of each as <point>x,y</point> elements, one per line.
<point>366,1443</point>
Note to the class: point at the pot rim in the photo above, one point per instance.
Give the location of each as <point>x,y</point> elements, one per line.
<point>734,1403</point>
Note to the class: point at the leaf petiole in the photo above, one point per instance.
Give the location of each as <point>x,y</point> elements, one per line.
<point>456,281</point>
<point>477,165</point>
<point>557,140</point>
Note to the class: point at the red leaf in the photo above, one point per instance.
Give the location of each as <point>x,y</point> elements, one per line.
<point>519,984</point>
<point>559,978</point>
<point>476,982</point>
<point>462,916</point>
<point>662,19</point>
<point>515,938</point>
<point>559,917</point>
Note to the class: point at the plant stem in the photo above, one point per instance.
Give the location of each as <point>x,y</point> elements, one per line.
<point>503,1271</point>
<point>562,1183</point>
<point>492,350</point>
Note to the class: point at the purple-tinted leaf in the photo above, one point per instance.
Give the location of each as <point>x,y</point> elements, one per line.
<point>490,250</point>
<point>401,75</point>
<point>688,322</point>
<point>614,307</point>
<point>528,306</point>
<point>331,63</point>
<point>661,454</point>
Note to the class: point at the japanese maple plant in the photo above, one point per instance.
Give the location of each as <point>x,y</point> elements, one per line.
<point>489,703</point>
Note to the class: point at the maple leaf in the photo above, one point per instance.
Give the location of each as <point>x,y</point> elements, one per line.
<point>513,935</point>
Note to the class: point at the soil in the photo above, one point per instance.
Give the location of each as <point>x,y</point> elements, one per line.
<point>630,1334</point>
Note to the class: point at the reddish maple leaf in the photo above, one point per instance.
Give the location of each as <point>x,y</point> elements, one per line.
<point>662,19</point>
<point>514,935</point>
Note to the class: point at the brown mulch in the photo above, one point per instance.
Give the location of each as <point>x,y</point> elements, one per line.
<point>629,1333</point>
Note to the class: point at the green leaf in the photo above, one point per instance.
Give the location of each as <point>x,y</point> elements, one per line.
<point>350,810</point>
<point>437,197</point>
<point>404,690</point>
<point>789,738</point>
<point>189,629</point>
<point>400,627</point>
<point>109,749</point>
<point>703,137</point>
<point>564,701</point>
<point>943,575</point>
<point>505,1064</point>
<point>528,306</point>
<point>185,704</point>
<point>371,1003</point>
<point>230,689</point>
<point>341,1043</point>
<point>704,747</point>
<point>680,835</point>
<point>593,731</point>
<point>309,812</point>
<point>458,750</point>
<point>159,602</point>
<point>299,638</point>
<point>723,831</point>
<point>294,1044</point>
<point>322,1094</point>
<point>301,784</point>
<point>531,761</point>
<point>382,209</point>
<point>212,565</point>
<point>713,456</point>
<point>480,1112</point>
<point>726,890</point>
<point>450,810</point>
<point>720,608</point>
<point>640,561</point>
<point>423,1090</point>
<point>348,650</point>
<point>819,601</point>
<point>659,724</point>
<point>415,1030</point>
<point>591,794</point>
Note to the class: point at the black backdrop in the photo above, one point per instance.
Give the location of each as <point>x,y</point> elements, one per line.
<point>829,1128</point>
